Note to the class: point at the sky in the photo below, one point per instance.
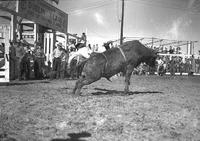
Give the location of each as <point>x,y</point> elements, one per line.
<point>100,19</point>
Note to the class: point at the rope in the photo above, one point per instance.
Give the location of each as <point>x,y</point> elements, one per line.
<point>122,52</point>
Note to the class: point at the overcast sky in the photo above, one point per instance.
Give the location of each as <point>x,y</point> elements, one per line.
<point>100,19</point>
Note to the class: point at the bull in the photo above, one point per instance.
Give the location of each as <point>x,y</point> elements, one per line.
<point>123,59</point>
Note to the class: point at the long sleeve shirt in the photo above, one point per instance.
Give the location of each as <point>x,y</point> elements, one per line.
<point>57,53</point>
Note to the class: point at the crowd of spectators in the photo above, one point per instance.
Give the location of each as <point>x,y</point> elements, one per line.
<point>171,61</point>
<point>171,64</point>
<point>28,62</point>
<point>170,50</point>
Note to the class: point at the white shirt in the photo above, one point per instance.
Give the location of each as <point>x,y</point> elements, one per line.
<point>160,62</point>
<point>57,53</point>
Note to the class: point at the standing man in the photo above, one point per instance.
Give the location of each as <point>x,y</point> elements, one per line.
<point>57,54</point>
<point>12,53</point>
<point>198,65</point>
<point>192,65</point>
<point>64,60</point>
<point>172,66</point>
<point>160,66</point>
<point>20,52</point>
<point>39,62</point>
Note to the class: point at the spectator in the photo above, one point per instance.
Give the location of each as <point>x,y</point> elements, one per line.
<point>96,48</point>
<point>192,65</point>
<point>181,66</point>
<point>172,66</point>
<point>93,48</point>
<point>12,53</point>
<point>20,52</point>
<point>64,60</point>
<point>171,50</point>
<point>25,73</point>
<point>198,65</point>
<point>2,48</point>
<point>178,49</point>
<point>84,39</point>
<point>39,62</point>
<point>165,50</point>
<point>187,65</point>
<point>71,46</point>
<point>57,53</point>
<point>160,65</point>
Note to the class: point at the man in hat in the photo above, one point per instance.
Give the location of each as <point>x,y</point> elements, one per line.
<point>12,53</point>
<point>84,39</point>
<point>39,62</point>
<point>20,52</point>
<point>57,54</point>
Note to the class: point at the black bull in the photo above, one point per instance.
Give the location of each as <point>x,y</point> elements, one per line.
<point>113,61</point>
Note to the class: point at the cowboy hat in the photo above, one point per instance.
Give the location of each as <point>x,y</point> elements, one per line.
<point>59,44</point>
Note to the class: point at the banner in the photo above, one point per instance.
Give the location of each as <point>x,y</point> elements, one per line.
<point>44,14</point>
<point>10,5</point>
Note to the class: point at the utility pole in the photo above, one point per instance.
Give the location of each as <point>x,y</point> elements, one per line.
<point>122,24</point>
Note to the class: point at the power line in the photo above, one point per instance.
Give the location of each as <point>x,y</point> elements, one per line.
<point>89,4</point>
<point>100,4</point>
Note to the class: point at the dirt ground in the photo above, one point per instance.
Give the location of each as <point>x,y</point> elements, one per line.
<point>157,109</point>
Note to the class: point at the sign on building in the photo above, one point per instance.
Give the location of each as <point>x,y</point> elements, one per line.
<point>8,4</point>
<point>43,13</point>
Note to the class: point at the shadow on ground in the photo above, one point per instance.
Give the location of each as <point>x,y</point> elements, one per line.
<point>75,137</point>
<point>18,83</point>
<point>115,92</point>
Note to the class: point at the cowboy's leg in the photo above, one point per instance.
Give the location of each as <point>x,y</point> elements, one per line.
<point>58,68</point>
<point>28,70</point>
<point>21,69</point>
<point>63,65</point>
<point>54,64</point>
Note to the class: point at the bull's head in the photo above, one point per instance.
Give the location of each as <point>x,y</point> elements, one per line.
<point>151,61</point>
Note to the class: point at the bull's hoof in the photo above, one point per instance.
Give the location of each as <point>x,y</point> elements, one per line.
<point>73,92</point>
<point>76,92</point>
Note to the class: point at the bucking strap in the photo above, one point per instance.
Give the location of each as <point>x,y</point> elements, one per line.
<point>122,52</point>
<point>105,57</point>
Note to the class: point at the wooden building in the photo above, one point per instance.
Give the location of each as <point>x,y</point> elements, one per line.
<point>34,21</point>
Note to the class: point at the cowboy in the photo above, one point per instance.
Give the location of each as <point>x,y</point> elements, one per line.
<point>84,39</point>
<point>160,65</point>
<point>64,60</point>
<point>39,62</point>
<point>12,53</point>
<point>25,63</point>
<point>57,54</point>
<point>20,52</point>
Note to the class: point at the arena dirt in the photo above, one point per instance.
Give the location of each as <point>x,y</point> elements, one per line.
<point>157,109</point>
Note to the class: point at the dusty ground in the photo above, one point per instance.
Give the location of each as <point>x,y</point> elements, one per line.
<point>157,109</point>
